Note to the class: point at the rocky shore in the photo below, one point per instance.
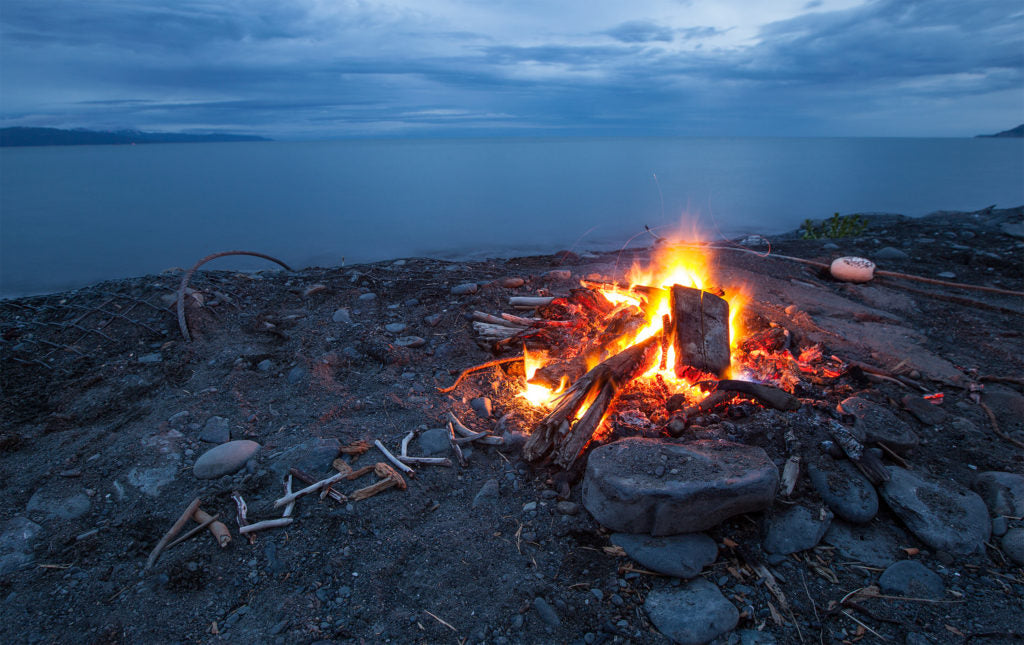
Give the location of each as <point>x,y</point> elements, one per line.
<point>112,424</point>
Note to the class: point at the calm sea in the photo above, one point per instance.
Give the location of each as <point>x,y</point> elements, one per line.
<point>70,216</point>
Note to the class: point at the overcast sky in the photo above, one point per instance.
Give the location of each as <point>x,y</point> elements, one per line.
<point>301,69</point>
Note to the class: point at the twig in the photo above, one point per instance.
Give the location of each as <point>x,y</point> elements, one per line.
<point>889,451</point>
<point>219,529</point>
<point>455,446</point>
<point>470,370</point>
<point>182,324</point>
<point>178,525</point>
<point>996,428</point>
<point>288,491</point>
<point>393,459</point>
<point>306,478</point>
<point>308,489</point>
<point>266,524</point>
<point>850,616</point>
<point>405,442</point>
<point>435,461</point>
<point>443,622</point>
<point>195,529</point>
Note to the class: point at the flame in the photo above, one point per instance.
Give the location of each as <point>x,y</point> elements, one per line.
<point>687,264</point>
<point>538,395</point>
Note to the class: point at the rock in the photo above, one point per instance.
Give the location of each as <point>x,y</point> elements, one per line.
<point>342,316</point>
<point>546,612</point>
<point>151,480</point>
<point>296,374</point>
<point>797,528</point>
<point>879,424</point>
<point>435,441</point>
<point>465,289</point>
<point>706,482</point>
<point>754,637</point>
<point>512,283</point>
<point>54,505</point>
<point>1003,493</point>
<point>265,365</point>
<point>178,418</point>
<point>695,613</point>
<point>313,456</point>
<point>911,578</point>
<point>558,274</point>
<point>487,494</point>
<point>395,328</point>
<point>1013,545</point>
<point>17,536</point>
<point>846,491</point>
<point>224,459</point>
<point>872,545</point>
<point>944,517</point>
<point>216,430</point>
<point>926,413</point>
<point>482,406</point>
<point>567,508</point>
<point>155,357</point>
<point>410,341</point>
<point>1007,405</point>
<point>432,319</point>
<point>682,556</point>
<point>947,275</point>
<point>890,253</point>
<point>368,297</point>
<point>999,526</point>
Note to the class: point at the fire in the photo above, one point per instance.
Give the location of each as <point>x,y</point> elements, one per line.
<point>649,290</point>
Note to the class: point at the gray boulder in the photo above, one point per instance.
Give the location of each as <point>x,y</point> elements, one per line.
<point>682,556</point>
<point>797,528</point>
<point>846,491</point>
<point>224,459</point>
<point>911,578</point>
<point>1003,492</point>
<point>693,614</point>
<point>877,423</point>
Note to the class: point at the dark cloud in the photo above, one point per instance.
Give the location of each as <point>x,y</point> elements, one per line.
<point>641,31</point>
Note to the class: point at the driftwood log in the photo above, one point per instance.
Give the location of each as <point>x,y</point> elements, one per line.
<point>700,331</point>
<point>563,434</point>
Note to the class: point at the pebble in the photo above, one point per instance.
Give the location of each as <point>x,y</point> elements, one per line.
<point>368,297</point>
<point>487,494</point>
<point>546,612</point>
<point>17,536</point>
<point>465,289</point>
<point>296,374</point>
<point>708,481</point>
<point>410,341</point>
<point>1002,492</point>
<point>1013,545</point>
<point>597,593</point>
<point>947,275</point>
<point>529,506</point>
<point>265,365</point>
<point>482,406</point>
<point>890,253</point>
<point>847,492</point>
<point>432,319</point>
<point>178,418</point>
<point>695,613</point>
<point>911,578</point>
<point>877,423</point>
<point>682,556</point>
<point>942,516</point>
<point>435,441</point>
<point>567,508</point>
<point>797,528</point>
<point>342,316</point>
<point>155,357</point>
<point>926,413</point>
<point>512,283</point>
<point>224,459</point>
<point>999,526</point>
<point>216,430</point>
<point>395,328</point>
<point>558,274</point>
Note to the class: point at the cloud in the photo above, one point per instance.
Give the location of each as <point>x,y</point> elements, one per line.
<point>641,31</point>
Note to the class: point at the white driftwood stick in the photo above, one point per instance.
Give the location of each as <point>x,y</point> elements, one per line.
<point>501,321</point>
<point>790,474</point>
<point>519,320</point>
<point>219,529</point>
<point>393,459</point>
<point>529,302</point>
<point>405,442</point>
<point>312,488</point>
<point>266,524</point>
<point>436,461</point>
<point>288,491</point>
<point>470,438</point>
<point>459,426</point>
<point>242,509</point>
<point>487,330</point>
<point>455,447</point>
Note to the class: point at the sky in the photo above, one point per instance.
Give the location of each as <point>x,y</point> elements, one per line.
<point>321,69</point>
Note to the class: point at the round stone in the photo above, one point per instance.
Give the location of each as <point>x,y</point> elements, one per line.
<point>224,459</point>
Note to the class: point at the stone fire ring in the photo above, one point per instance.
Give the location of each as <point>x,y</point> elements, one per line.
<point>659,487</point>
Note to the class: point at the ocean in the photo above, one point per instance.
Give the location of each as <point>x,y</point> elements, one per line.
<point>71,216</point>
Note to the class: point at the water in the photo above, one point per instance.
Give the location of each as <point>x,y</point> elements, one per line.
<point>70,216</point>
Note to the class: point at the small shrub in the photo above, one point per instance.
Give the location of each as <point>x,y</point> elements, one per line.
<point>834,227</point>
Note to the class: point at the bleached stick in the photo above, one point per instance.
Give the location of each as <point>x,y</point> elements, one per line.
<point>455,446</point>
<point>288,491</point>
<point>437,461</point>
<point>266,524</point>
<point>393,459</point>
<point>529,302</point>
<point>219,529</point>
<point>178,525</point>
<point>405,442</point>
<point>308,489</point>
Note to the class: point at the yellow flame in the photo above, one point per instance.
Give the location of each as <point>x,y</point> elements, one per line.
<point>537,395</point>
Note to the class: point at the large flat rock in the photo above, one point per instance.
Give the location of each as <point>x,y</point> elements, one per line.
<point>640,485</point>
<point>941,514</point>
<point>681,556</point>
<point>695,613</point>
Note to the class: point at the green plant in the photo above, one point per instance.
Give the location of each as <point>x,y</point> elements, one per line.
<point>834,227</point>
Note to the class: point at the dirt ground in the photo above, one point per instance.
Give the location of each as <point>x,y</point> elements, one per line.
<point>95,451</point>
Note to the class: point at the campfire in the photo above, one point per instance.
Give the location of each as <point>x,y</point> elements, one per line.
<point>652,352</point>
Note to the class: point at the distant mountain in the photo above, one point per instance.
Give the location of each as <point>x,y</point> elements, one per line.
<point>57,137</point>
<point>1014,132</point>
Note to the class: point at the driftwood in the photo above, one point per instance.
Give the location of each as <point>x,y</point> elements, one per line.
<point>174,530</point>
<point>767,395</point>
<point>565,432</point>
<point>700,328</point>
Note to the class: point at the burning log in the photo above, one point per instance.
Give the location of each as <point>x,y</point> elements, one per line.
<point>700,331</point>
<point>767,395</point>
<point>567,430</point>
